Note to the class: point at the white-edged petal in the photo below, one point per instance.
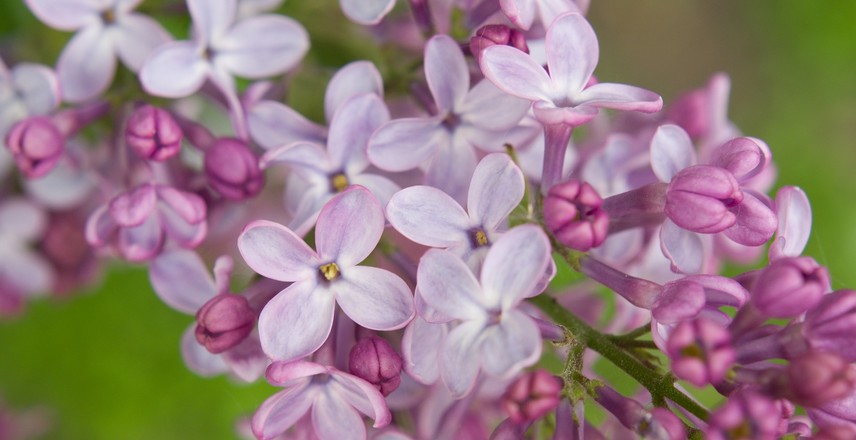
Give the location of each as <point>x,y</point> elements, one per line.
<point>374,298</point>
<point>262,46</point>
<point>349,227</point>
<point>381,187</point>
<point>520,12</point>
<point>420,348</point>
<point>446,72</point>
<point>65,15</point>
<point>351,80</point>
<point>496,189</point>
<point>282,410</point>
<point>404,144</point>
<point>516,73</point>
<point>361,395</point>
<point>38,87</point>
<point>334,419</point>
<point>197,358</point>
<point>428,216</point>
<point>276,252</point>
<point>511,345</point>
<point>572,53</point>
<point>273,124</point>
<point>452,168</point>
<point>671,151</point>
<point>143,241</point>
<point>488,107</point>
<point>446,284</point>
<point>794,213</point>
<point>87,64</point>
<point>515,264</point>
<point>350,130</point>
<point>211,19</point>
<point>135,37</point>
<point>302,156</point>
<point>684,249</point>
<point>620,97</point>
<point>367,12</point>
<point>181,280</point>
<point>174,70</point>
<point>460,358</point>
<point>297,321</point>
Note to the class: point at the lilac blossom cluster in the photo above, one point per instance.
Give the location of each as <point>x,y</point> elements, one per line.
<point>401,251</point>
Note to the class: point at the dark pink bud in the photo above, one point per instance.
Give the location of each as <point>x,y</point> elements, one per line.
<point>812,379</point>
<point>789,286</point>
<point>831,325</point>
<point>532,396</point>
<point>699,198</point>
<point>572,212</point>
<point>233,170</point>
<point>496,34</point>
<point>223,322</point>
<point>701,351</point>
<point>375,361</point>
<point>36,144</point>
<point>153,133</point>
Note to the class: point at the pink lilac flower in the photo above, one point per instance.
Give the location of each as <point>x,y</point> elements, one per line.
<point>492,334</point>
<point>465,119</point>
<point>256,47</point>
<point>298,320</point>
<point>701,351</point>
<point>104,30</point>
<point>23,273</point>
<point>523,13</point>
<point>26,90</point>
<point>794,223</point>
<point>366,12</point>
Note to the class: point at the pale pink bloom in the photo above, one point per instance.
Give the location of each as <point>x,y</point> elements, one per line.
<point>26,90</point>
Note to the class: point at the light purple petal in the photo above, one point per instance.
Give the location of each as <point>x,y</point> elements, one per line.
<point>262,46</point>
<point>21,221</point>
<point>181,279</point>
<point>404,144</point>
<point>282,373</point>
<point>246,360</point>
<point>511,345</point>
<point>38,86</point>
<point>367,12</point>
<point>549,10</point>
<point>303,156</point>
<point>428,216</point>
<point>520,12</point>
<point>516,73</point>
<point>134,207</point>
<point>794,214</point>
<point>488,107</point>
<point>683,248</point>
<point>65,15</point>
<point>349,227</point>
<point>273,124</point>
<point>174,70</point>
<point>361,395</point>
<point>350,129</point>
<point>452,167</point>
<point>297,321</point>
<point>446,72</point>
<point>189,206</point>
<point>514,265</point>
<point>446,284</point>
<point>721,291</point>
<point>374,298</point>
<point>680,300</point>
<point>496,189</point>
<point>135,37</point>
<point>756,222</point>
<point>197,358</point>
<point>671,151</point>
<point>282,410</point>
<point>572,53</point>
<point>141,242</point>
<point>100,227</point>
<point>187,235</point>
<point>420,348</point>
<point>67,186</point>
<point>460,358</point>
<point>334,419</point>
<point>621,97</point>
<point>275,252</point>
<point>548,113</point>
<point>381,187</point>
<point>27,271</point>
<point>307,211</point>
<point>351,80</point>
<point>86,65</point>
<point>744,157</point>
<point>211,20</point>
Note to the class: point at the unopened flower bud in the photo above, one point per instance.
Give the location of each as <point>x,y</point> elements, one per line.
<point>532,396</point>
<point>496,34</point>
<point>375,361</point>
<point>746,415</point>
<point>701,351</point>
<point>153,133</point>
<point>572,211</point>
<point>789,286</point>
<point>699,198</point>
<point>223,322</point>
<point>831,325</point>
<point>233,170</point>
<point>36,144</point>
<point>812,379</point>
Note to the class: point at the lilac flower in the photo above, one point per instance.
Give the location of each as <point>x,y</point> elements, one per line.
<point>298,320</point>
<point>794,223</point>
<point>257,47</point>
<point>335,399</point>
<point>366,12</point>
<point>27,90</point>
<point>701,351</point>
<point>465,119</point>
<point>745,414</point>
<point>105,29</point>
<point>430,217</point>
<point>524,12</point>
<point>23,273</point>
<point>232,169</point>
<point>572,213</point>
<point>493,334</point>
<point>321,173</point>
<point>138,221</point>
<point>152,133</point>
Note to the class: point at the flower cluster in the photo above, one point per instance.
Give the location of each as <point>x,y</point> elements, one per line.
<point>395,261</point>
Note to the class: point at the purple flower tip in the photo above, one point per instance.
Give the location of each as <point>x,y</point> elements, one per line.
<point>223,322</point>
<point>36,144</point>
<point>699,198</point>
<point>233,170</point>
<point>496,34</point>
<point>701,351</point>
<point>572,211</point>
<point>813,379</point>
<point>153,134</point>
<point>532,396</point>
<point>789,286</point>
<point>375,361</point>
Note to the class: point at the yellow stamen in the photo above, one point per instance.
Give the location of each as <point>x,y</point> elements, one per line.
<point>339,182</point>
<point>481,238</point>
<point>330,271</point>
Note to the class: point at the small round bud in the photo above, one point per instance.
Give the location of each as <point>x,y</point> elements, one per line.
<point>532,396</point>
<point>572,211</point>
<point>233,170</point>
<point>496,34</point>
<point>375,361</point>
<point>153,134</point>
<point>36,144</point>
<point>789,286</point>
<point>701,351</point>
<point>812,379</point>
<point>699,198</point>
<point>223,322</point>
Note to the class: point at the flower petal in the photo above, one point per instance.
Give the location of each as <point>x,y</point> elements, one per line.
<point>572,53</point>
<point>262,46</point>
<point>452,167</point>
<point>496,189</point>
<point>744,157</point>
<point>621,97</point>
<point>189,206</point>
<point>460,358</point>
<point>367,12</point>
<point>197,358</point>
<point>297,321</point>
<point>273,124</point>
<point>374,298</point>
<point>134,207</point>
<point>136,36</point>
<point>520,12</point>
<point>420,348</point>
<point>683,248</point>
<point>488,107</point>
<point>211,20</point>
<point>100,227</point>
<point>446,72</point>
<point>516,73</point>
<point>511,345</point>
<point>446,284</point>
<point>350,129</point>
<point>86,65</point>
<point>181,280</point>
<point>27,272</point>
<point>428,216</point>
<point>351,80</point>
<point>381,187</point>
<point>21,221</point>
<point>282,410</point>
<point>275,252</point>
<point>174,70</point>
<point>284,374</point>
<point>246,360</point>
<point>66,187</point>
<point>363,396</point>
<point>349,227</point>
<point>671,151</point>
<point>794,214</point>
<point>303,156</point>
<point>404,144</point>
<point>65,15</point>
<point>143,241</point>
<point>38,86</point>
<point>515,264</point>
<point>756,222</point>
<point>334,419</point>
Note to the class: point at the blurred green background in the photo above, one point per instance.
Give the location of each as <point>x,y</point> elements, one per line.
<point>105,364</point>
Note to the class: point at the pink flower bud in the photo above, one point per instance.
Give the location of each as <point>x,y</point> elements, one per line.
<point>223,322</point>
<point>496,34</point>
<point>789,286</point>
<point>699,198</point>
<point>36,144</point>
<point>812,379</point>
<point>747,415</point>
<point>233,170</point>
<point>375,361</point>
<point>153,134</point>
<point>532,396</point>
<point>572,212</point>
<point>831,326</point>
<point>701,351</point>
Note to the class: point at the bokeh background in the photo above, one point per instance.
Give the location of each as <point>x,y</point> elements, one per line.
<point>105,364</point>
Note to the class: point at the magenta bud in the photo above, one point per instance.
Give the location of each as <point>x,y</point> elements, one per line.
<point>375,361</point>
<point>701,351</point>
<point>572,212</point>
<point>831,325</point>
<point>812,379</point>
<point>153,133</point>
<point>233,170</point>
<point>223,322</point>
<point>36,144</point>
<point>532,396</point>
<point>496,34</point>
<point>699,198</point>
<point>789,286</point>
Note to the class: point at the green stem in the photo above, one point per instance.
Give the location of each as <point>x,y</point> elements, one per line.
<point>602,344</point>
<point>642,330</point>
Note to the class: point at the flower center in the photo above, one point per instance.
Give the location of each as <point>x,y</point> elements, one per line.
<point>338,182</point>
<point>330,271</point>
<point>478,238</point>
<point>108,16</point>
